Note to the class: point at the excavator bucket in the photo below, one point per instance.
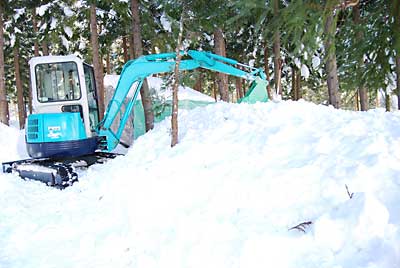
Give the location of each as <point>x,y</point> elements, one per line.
<point>256,93</point>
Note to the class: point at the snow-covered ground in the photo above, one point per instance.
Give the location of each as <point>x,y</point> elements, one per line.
<point>226,196</point>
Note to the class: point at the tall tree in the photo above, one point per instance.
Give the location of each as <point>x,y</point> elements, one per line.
<point>222,79</point>
<point>362,91</point>
<point>20,90</point>
<point>98,66</point>
<point>277,52</point>
<point>138,51</point>
<point>174,117</point>
<point>330,25</point>
<point>3,94</point>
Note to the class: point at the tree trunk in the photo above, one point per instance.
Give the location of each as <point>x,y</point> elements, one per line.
<point>330,66</point>
<point>277,54</point>
<point>138,51</point>
<point>398,80</point>
<point>45,48</point>
<point>388,102</point>
<point>125,48</point>
<point>35,32</point>
<point>20,91</point>
<point>222,79</point>
<point>97,64</point>
<point>198,86</point>
<point>174,117</point>
<point>298,85</point>
<point>294,77</point>
<point>3,94</point>
<point>238,85</point>
<point>357,102</point>
<point>266,69</point>
<point>215,89</point>
<point>362,91</point>
<point>108,63</point>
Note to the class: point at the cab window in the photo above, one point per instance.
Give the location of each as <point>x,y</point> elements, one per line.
<point>57,82</point>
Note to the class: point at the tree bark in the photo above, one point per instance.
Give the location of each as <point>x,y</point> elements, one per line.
<point>138,51</point>
<point>125,48</point>
<point>388,102</point>
<point>298,85</point>
<point>362,91</point>
<point>97,64</point>
<point>238,85</point>
<point>266,69</point>
<point>20,91</point>
<point>198,86</point>
<point>222,79</point>
<point>174,117</point>
<point>277,54</point>
<point>3,94</point>
<point>398,80</point>
<point>45,48</point>
<point>35,32</point>
<point>294,77</point>
<point>108,63</point>
<point>330,66</point>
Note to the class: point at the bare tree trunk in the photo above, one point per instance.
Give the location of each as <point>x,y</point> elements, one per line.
<point>266,69</point>
<point>238,85</point>
<point>362,91</point>
<point>20,91</point>
<point>215,89</point>
<point>35,32</point>
<point>277,53</point>
<point>330,66</point>
<point>138,51</point>
<point>198,86</point>
<point>388,102</point>
<point>125,48</point>
<point>3,94</point>
<point>294,77</point>
<point>45,48</point>
<point>222,79</point>
<point>98,65</point>
<point>174,117</point>
<point>398,80</point>
<point>357,101</point>
<point>298,85</point>
<point>108,63</point>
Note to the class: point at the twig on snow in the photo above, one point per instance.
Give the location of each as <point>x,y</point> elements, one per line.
<point>348,192</point>
<point>301,226</point>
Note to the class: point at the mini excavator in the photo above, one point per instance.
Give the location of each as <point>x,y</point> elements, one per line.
<point>64,131</point>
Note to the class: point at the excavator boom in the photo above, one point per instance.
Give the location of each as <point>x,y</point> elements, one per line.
<point>135,71</point>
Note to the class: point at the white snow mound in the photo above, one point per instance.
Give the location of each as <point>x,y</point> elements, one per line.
<point>226,196</point>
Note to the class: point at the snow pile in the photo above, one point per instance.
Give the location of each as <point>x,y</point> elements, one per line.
<point>227,195</point>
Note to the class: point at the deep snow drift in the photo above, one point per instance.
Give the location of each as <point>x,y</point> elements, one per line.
<point>225,196</point>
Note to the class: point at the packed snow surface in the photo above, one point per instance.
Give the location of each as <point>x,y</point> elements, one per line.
<point>228,195</point>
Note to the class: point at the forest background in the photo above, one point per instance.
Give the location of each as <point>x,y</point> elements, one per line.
<point>344,53</point>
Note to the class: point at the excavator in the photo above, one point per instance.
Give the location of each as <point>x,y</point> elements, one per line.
<point>64,131</point>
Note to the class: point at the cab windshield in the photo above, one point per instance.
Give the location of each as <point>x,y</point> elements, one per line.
<point>57,82</point>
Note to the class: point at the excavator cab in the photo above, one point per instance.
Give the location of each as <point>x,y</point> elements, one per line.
<point>65,109</point>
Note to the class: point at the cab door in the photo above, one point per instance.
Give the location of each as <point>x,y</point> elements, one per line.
<point>91,97</point>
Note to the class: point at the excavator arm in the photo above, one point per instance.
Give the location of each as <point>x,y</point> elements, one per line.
<point>135,71</point>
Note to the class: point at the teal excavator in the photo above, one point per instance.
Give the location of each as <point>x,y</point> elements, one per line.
<point>64,130</point>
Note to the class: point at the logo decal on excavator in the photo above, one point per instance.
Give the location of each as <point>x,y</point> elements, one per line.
<point>54,132</point>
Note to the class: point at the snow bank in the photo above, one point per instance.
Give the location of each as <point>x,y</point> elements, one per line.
<point>226,196</point>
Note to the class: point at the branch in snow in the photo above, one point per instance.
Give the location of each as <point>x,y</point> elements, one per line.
<point>348,192</point>
<point>301,226</point>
